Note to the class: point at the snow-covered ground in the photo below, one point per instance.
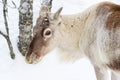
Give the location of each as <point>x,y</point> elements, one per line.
<point>49,68</point>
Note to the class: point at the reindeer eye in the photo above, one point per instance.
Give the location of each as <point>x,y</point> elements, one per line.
<point>47,33</point>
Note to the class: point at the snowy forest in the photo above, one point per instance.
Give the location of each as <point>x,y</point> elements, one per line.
<point>17,19</point>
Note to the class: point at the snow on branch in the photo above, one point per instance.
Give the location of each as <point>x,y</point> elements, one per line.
<point>6,36</point>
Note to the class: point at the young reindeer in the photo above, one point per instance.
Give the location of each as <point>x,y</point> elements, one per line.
<point>94,33</point>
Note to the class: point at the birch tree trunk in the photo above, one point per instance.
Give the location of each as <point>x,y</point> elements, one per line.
<point>25,25</point>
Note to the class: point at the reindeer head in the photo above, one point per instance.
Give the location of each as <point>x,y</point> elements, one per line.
<point>46,36</point>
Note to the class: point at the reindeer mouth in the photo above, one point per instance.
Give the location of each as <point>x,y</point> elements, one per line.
<point>33,58</point>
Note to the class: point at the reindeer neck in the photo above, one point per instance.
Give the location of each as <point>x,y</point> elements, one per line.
<point>74,23</point>
<point>74,26</point>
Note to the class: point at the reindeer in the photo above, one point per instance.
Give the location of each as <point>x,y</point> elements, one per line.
<point>94,33</point>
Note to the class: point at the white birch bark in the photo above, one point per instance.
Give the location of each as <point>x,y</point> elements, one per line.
<point>25,25</point>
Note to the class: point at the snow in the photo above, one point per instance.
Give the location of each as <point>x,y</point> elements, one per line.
<point>49,68</point>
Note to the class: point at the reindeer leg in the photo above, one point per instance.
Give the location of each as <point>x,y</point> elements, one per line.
<point>115,76</point>
<point>101,73</point>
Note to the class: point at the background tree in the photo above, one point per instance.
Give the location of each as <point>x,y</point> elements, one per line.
<point>6,36</point>
<point>25,25</point>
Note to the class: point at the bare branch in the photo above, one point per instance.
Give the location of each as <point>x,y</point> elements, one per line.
<point>14,4</point>
<point>13,7</point>
<point>9,44</point>
<point>5,16</point>
<point>7,30</point>
<point>3,34</point>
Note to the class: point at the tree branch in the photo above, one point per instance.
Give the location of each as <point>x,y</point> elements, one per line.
<point>14,5</point>
<point>7,30</point>
<point>5,16</point>
<point>3,34</point>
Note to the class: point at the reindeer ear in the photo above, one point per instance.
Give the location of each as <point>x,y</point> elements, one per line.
<point>56,15</point>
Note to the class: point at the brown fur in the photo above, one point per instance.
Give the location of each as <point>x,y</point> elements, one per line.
<point>113,24</point>
<point>114,64</point>
<point>113,21</point>
<point>110,6</point>
<point>38,38</point>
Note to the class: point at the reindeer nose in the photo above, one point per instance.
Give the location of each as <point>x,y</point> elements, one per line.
<point>27,59</point>
<point>32,58</point>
